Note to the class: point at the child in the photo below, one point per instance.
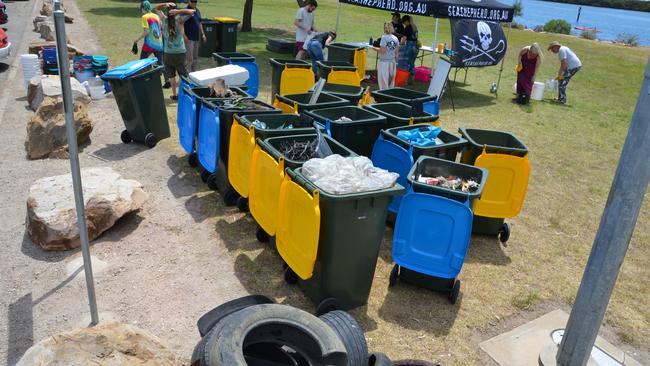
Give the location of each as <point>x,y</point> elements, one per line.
<point>387,50</point>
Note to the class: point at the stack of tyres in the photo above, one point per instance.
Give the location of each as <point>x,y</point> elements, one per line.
<point>397,155</point>
<point>138,92</point>
<point>299,103</point>
<point>399,114</point>
<point>245,130</point>
<point>506,158</point>
<point>244,60</point>
<point>268,165</point>
<point>413,98</point>
<point>434,226</point>
<point>352,126</point>
<point>330,242</point>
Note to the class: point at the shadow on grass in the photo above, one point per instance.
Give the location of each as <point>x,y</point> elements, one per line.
<point>118,11</point>
<point>486,249</point>
<point>119,151</point>
<point>420,309</point>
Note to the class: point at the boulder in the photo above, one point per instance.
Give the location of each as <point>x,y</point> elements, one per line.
<point>50,86</point>
<point>51,213</point>
<point>109,344</point>
<point>46,29</point>
<point>46,132</point>
<point>37,20</point>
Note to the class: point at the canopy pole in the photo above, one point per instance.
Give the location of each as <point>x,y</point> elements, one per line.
<point>68,107</point>
<point>435,43</point>
<point>503,60</point>
<point>613,237</point>
<point>338,17</point>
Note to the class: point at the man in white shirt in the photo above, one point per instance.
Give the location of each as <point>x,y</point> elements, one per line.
<point>304,23</point>
<point>569,65</point>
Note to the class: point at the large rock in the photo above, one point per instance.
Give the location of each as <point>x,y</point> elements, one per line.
<point>46,131</point>
<point>51,213</point>
<point>37,21</point>
<point>110,344</point>
<point>50,86</point>
<point>46,29</point>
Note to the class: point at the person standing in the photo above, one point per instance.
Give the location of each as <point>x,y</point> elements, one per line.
<point>398,28</point>
<point>193,33</point>
<point>174,42</point>
<point>314,45</point>
<point>152,34</point>
<point>409,50</point>
<point>569,65</point>
<point>387,65</point>
<point>304,23</point>
<point>530,59</point>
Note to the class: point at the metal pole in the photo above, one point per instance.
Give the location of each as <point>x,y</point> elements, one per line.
<point>503,60</point>
<point>613,238</point>
<point>338,16</point>
<point>64,72</point>
<point>435,44</point>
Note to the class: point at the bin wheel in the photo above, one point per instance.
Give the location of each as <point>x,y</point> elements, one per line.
<point>504,233</point>
<point>230,196</point>
<point>327,305</point>
<point>125,136</point>
<point>394,276</point>
<point>193,160</point>
<point>150,140</point>
<point>242,204</point>
<point>261,235</point>
<point>204,175</point>
<point>290,277</point>
<point>211,181</point>
<point>455,291</point>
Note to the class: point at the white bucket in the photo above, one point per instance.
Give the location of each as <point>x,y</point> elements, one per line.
<point>96,92</point>
<point>514,88</point>
<point>538,91</point>
<point>31,67</point>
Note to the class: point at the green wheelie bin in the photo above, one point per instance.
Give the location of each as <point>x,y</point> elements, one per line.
<point>138,92</point>
<point>207,48</point>
<point>301,101</point>
<point>410,97</point>
<point>325,67</point>
<point>226,34</point>
<point>354,127</point>
<point>350,232</point>
<point>399,114</point>
<point>348,92</point>
<point>277,66</point>
<point>448,149</point>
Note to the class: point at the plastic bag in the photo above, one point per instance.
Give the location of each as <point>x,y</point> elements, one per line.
<point>322,148</point>
<point>339,175</point>
<point>425,136</point>
<point>551,84</point>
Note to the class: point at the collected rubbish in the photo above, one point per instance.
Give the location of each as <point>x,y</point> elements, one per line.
<point>343,119</point>
<point>263,126</point>
<point>248,104</point>
<point>451,182</point>
<point>339,175</point>
<point>426,136</point>
<point>299,150</point>
<point>218,89</point>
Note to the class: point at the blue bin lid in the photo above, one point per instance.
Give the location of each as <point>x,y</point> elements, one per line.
<point>129,68</point>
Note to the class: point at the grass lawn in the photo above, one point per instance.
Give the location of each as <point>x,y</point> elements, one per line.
<point>573,151</point>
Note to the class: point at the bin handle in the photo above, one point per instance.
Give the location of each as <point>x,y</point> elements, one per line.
<point>295,107</point>
<point>411,120</point>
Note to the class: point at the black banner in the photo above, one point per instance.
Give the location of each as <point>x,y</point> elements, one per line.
<point>490,10</point>
<point>476,43</point>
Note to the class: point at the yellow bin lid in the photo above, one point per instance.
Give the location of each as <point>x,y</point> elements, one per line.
<point>226,20</point>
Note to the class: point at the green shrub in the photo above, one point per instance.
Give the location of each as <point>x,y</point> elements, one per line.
<point>557,26</point>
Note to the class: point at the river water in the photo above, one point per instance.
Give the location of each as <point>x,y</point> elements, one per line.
<point>609,22</point>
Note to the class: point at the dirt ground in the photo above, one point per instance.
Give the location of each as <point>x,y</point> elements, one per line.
<point>184,252</point>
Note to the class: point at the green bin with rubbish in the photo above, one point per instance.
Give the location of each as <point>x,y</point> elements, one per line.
<point>226,34</point>
<point>138,92</point>
<point>301,101</point>
<point>207,48</point>
<point>348,92</point>
<point>342,52</point>
<point>225,58</point>
<point>350,232</point>
<point>410,97</point>
<point>352,126</point>
<point>399,114</point>
<point>325,67</point>
<point>448,147</point>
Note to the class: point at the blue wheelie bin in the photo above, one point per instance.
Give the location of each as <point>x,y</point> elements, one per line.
<point>244,60</point>
<point>434,227</point>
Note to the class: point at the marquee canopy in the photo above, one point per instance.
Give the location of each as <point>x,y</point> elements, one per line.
<point>490,10</point>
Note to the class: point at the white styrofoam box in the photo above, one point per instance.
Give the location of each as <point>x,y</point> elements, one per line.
<point>231,74</point>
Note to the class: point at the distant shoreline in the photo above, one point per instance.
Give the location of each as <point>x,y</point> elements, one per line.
<point>634,5</point>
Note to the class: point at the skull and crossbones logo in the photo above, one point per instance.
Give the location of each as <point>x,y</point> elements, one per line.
<point>483,45</point>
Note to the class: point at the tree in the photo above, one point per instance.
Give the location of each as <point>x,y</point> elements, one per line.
<point>247,21</point>
<point>517,8</point>
<point>557,26</point>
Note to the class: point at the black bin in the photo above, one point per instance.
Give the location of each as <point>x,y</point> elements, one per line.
<point>207,48</point>
<point>226,34</point>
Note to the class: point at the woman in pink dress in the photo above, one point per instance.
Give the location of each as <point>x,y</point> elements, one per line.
<point>530,59</point>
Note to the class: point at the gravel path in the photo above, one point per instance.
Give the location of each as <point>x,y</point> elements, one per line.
<point>158,269</point>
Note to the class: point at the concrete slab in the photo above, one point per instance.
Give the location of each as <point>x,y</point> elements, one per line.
<point>522,346</point>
